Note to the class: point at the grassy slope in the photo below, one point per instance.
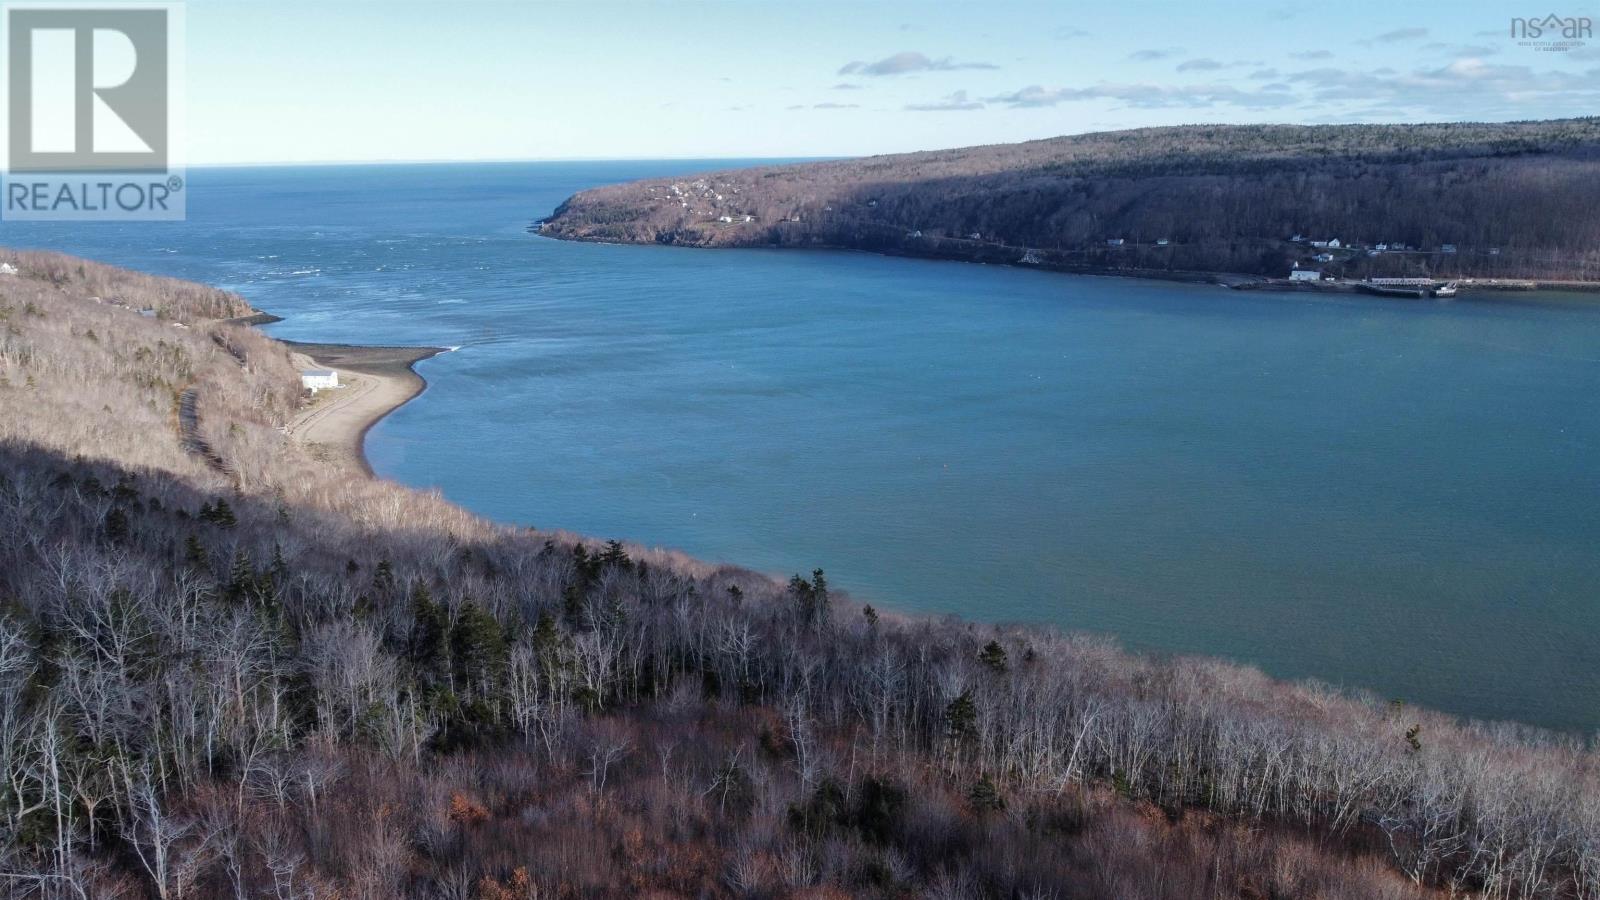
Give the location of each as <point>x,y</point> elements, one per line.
<point>1226,197</point>
<point>343,685</point>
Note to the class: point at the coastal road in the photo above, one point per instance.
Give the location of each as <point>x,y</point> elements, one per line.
<point>340,417</point>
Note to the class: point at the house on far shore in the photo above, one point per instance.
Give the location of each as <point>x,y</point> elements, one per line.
<point>315,380</point>
<point>1114,242</point>
<point>1305,275</point>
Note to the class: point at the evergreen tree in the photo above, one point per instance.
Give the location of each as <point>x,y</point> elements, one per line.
<point>614,555</point>
<point>961,717</point>
<point>383,584</point>
<point>994,656</point>
<point>819,596</point>
<point>430,636</point>
<point>478,649</point>
<point>811,598</point>
<point>116,525</point>
<point>194,553</point>
<point>586,570</point>
<point>984,796</point>
<point>124,491</point>
<point>278,572</point>
<point>880,805</point>
<point>242,584</point>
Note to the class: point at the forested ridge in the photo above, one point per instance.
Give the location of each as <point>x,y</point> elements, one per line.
<point>1505,200</point>
<point>269,678</point>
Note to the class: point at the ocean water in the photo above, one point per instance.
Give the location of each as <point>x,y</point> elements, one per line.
<point>1390,495</point>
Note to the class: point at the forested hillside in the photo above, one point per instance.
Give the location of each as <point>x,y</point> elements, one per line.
<point>1515,200</point>
<point>243,673</point>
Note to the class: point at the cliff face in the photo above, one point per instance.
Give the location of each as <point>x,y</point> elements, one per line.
<point>1504,200</point>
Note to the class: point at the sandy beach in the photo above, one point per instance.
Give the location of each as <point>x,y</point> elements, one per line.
<point>374,381</point>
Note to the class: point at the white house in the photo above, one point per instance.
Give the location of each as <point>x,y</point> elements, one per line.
<point>1334,244</point>
<point>1305,275</point>
<point>7,269</point>
<point>318,379</point>
<point>1114,242</point>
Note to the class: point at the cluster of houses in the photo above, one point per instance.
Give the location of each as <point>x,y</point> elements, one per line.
<point>683,193</point>
<point>1375,249</point>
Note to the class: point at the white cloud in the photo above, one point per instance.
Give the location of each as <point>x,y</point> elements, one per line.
<point>956,102</point>
<point>1145,96</point>
<point>1401,34</point>
<point>909,61</point>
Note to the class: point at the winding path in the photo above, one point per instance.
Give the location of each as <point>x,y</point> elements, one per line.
<point>189,432</point>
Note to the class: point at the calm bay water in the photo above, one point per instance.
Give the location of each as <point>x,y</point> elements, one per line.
<point>1400,496</point>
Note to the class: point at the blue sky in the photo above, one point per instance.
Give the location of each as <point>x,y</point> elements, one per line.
<point>371,81</point>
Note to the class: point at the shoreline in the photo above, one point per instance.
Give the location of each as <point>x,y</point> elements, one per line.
<point>1238,281</point>
<point>375,381</point>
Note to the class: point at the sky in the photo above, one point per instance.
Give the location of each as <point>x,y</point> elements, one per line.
<point>335,80</point>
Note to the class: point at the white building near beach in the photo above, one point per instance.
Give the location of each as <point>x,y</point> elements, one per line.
<point>1305,275</point>
<point>319,379</point>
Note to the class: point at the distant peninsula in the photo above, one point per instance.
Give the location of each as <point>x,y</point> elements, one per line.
<point>1503,201</point>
